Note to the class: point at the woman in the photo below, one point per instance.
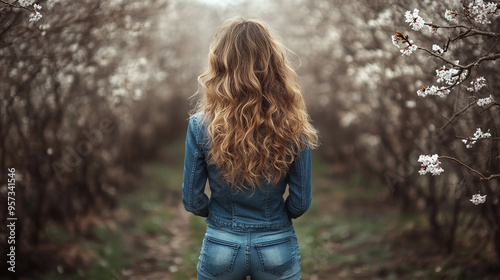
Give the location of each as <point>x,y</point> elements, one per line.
<point>250,138</point>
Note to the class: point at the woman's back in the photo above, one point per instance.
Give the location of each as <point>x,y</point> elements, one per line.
<point>262,208</point>
<point>251,139</point>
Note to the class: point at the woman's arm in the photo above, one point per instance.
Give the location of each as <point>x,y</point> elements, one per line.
<point>299,185</point>
<point>195,172</point>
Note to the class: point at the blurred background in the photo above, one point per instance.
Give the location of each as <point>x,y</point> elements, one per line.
<point>94,106</point>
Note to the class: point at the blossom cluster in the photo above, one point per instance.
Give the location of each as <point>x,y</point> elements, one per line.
<point>477,84</point>
<point>26,3</point>
<point>485,101</point>
<point>416,22</point>
<point>451,15</point>
<point>35,15</point>
<point>478,10</point>
<point>479,134</point>
<point>430,164</point>
<point>433,90</point>
<point>437,49</point>
<point>35,11</point>
<point>411,47</point>
<point>395,40</point>
<point>478,199</point>
<point>451,76</point>
<point>481,11</point>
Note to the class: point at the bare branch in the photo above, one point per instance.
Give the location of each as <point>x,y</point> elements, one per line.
<point>466,166</point>
<point>456,115</point>
<point>491,177</point>
<point>438,56</point>
<point>9,4</point>
<point>494,56</point>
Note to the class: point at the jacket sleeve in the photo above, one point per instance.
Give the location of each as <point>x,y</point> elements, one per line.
<point>195,172</point>
<point>299,185</point>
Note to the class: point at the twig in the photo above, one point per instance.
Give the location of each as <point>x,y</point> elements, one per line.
<point>6,19</point>
<point>440,57</point>
<point>482,177</point>
<point>456,115</point>
<point>494,56</point>
<point>466,166</point>
<point>9,4</point>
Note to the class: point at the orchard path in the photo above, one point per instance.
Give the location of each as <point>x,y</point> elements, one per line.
<point>353,230</point>
<point>168,253</point>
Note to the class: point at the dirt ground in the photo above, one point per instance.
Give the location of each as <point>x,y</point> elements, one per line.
<point>354,230</point>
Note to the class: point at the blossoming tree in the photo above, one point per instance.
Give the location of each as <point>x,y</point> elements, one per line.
<point>464,23</point>
<point>79,109</point>
<point>365,101</point>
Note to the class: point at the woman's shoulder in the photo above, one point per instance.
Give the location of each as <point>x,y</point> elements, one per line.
<point>198,123</point>
<point>197,118</point>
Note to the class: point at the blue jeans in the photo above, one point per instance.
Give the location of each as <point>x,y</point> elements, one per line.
<point>232,255</point>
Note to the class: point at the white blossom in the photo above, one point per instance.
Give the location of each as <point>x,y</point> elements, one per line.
<point>485,101</point>
<point>416,22</point>
<point>448,76</point>
<point>421,92</point>
<point>430,164</point>
<point>451,16</point>
<point>478,199</point>
<point>481,12</point>
<point>463,75</point>
<point>35,15</point>
<point>409,49</point>
<point>395,40</point>
<point>26,3</point>
<point>433,90</point>
<point>451,76</point>
<point>437,49</point>
<point>479,134</point>
<point>477,84</point>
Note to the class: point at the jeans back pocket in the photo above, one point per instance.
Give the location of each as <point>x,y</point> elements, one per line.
<point>276,256</point>
<point>218,256</point>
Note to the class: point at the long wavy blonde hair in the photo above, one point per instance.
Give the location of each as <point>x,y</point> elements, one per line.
<point>257,119</point>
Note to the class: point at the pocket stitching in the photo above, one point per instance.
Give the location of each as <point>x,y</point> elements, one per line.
<point>235,248</point>
<point>271,243</point>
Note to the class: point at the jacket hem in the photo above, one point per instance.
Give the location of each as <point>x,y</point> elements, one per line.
<point>266,226</point>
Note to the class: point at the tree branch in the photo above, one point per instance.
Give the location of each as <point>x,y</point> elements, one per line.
<point>466,166</point>
<point>456,115</point>
<point>9,4</point>
<point>494,56</point>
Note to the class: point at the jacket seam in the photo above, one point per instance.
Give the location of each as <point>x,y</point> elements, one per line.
<point>268,197</point>
<point>193,167</point>
<point>302,185</point>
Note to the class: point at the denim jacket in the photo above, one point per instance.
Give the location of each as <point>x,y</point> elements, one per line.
<point>260,210</point>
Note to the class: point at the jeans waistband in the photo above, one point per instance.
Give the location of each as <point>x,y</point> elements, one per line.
<point>246,227</point>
